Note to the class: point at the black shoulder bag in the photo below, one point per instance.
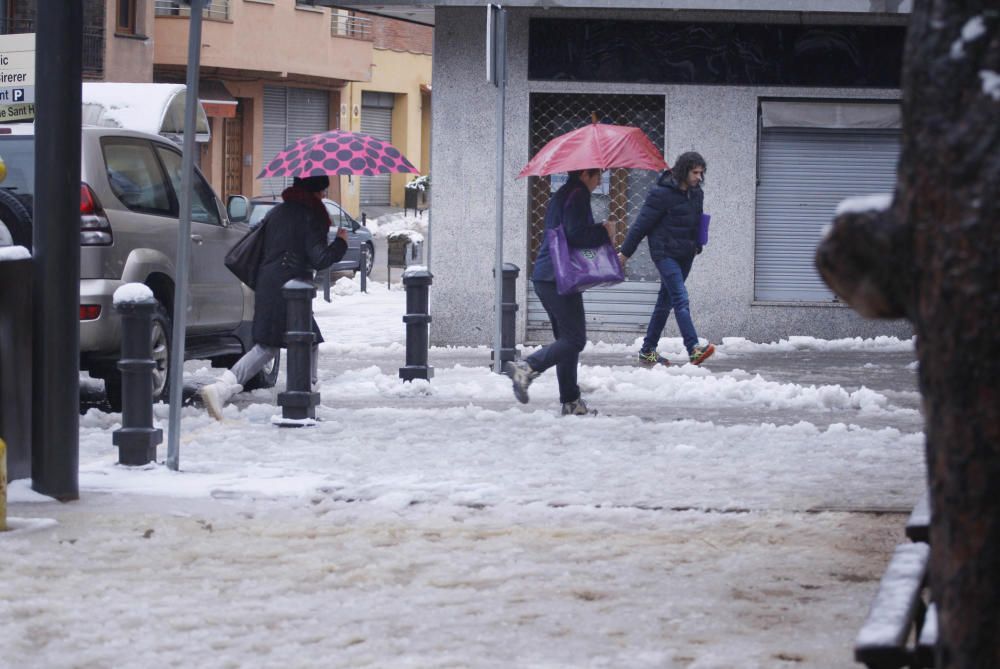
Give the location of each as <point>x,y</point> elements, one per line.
<point>245,256</point>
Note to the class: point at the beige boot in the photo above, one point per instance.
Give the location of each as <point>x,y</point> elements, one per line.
<point>215,395</point>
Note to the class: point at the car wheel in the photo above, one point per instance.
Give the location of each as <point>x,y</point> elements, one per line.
<point>267,377</point>
<point>371,258</point>
<point>160,335</point>
<point>16,218</point>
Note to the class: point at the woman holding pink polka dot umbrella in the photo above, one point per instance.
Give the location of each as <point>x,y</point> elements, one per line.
<point>337,152</point>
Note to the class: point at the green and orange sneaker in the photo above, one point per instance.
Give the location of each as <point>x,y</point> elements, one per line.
<point>652,358</point>
<point>700,354</point>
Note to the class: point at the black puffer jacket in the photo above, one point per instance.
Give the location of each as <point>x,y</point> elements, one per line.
<point>294,246</point>
<point>669,218</point>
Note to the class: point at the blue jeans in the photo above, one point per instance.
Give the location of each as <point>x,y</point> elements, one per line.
<point>569,326</point>
<point>673,294</point>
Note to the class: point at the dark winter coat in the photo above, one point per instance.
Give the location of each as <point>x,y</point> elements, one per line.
<point>569,207</point>
<point>669,218</point>
<point>294,245</point>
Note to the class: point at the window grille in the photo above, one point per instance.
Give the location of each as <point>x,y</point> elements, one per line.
<point>344,23</point>
<point>214,9</point>
<point>622,192</point>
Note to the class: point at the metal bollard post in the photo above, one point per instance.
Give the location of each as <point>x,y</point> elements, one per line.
<point>137,438</point>
<point>298,402</point>
<point>364,268</point>
<point>417,283</point>
<point>3,486</point>
<point>508,304</point>
<point>326,283</point>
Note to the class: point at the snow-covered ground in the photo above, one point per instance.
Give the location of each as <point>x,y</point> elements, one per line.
<point>733,515</point>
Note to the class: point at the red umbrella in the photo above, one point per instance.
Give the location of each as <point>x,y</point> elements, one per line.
<point>597,145</point>
<point>337,152</point>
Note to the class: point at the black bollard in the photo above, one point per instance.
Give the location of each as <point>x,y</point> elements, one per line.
<point>137,438</point>
<point>364,268</point>
<point>298,402</point>
<point>326,284</point>
<point>508,304</point>
<point>417,283</point>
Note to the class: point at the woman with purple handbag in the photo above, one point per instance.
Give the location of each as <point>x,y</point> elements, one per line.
<point>569,208</point>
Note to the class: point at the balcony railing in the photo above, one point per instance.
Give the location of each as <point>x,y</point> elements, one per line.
<point>347,24</point>
<point>93,44</point>
<point>215,9</point>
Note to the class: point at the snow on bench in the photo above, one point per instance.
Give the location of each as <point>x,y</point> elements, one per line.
<point>898,611</point>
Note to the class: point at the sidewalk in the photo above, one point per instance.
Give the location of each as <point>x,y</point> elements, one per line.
<point>734,515</point>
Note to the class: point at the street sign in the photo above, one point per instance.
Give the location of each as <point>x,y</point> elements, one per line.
<point>17,77</point>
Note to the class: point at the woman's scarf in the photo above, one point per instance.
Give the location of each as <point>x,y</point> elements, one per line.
<point>308,200</point>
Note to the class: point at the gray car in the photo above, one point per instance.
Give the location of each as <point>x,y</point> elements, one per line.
<point>358,236</point>
<point>129,202</point>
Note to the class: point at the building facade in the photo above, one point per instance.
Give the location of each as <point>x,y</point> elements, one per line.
<point>395,105</point>
<point>116,45</point>
<point>271,71</point>
<point>793,111</point>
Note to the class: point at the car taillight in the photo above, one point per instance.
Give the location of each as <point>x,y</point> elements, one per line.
<point>90,312</point>
<point>95,229</point>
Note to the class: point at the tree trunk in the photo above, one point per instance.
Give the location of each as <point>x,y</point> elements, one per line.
<point>934,257</point>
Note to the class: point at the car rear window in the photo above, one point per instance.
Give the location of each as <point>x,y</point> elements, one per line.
<point>135,176</point>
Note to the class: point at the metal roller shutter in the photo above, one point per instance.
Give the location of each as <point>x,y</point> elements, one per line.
<point>377,122</point>
<point>804,174</point>
<point>290,113</point>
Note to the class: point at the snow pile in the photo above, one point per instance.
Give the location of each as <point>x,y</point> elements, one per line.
<point>14,253</point>
<point>346,286</point>
<point>861,204</point>
<point>973,29</point>
<point>991,83</point>
<point>383,226</point>
<point>799,343</point>
<point>133,293</point>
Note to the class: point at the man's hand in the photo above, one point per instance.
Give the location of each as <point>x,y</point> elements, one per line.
<point>621,259</point>
<point>342,233</point>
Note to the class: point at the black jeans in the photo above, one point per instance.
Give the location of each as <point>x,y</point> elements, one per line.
<point>569,326</point>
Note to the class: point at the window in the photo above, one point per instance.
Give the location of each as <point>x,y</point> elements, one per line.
<point>135,176</point>
<point>203,207</point>
<point>737,54</point>
<point>125,22</point>
<point>337,216</point>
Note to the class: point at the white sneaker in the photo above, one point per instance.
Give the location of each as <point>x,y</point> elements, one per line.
<point>215,395</point>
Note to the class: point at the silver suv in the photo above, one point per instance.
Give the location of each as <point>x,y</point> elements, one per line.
<point>129,201</point>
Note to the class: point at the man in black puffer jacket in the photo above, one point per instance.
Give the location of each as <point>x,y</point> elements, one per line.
<point>294,246</point>
<point>669,218</point>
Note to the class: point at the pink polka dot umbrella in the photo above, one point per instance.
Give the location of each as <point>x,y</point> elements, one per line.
<point>337,152</point>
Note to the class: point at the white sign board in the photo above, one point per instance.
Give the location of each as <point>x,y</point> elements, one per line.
<point>17,77</point>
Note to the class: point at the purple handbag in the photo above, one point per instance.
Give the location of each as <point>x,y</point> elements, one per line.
<point>703,229</point>
<point>578,269</point>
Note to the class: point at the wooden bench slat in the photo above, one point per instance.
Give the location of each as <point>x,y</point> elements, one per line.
<point>881,642</point>
<point>918,526</point>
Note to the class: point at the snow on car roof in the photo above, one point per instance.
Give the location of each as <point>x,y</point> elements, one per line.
<point>153,108</point>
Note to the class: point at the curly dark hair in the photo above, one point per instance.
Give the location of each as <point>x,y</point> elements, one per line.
<point>685,163</point>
